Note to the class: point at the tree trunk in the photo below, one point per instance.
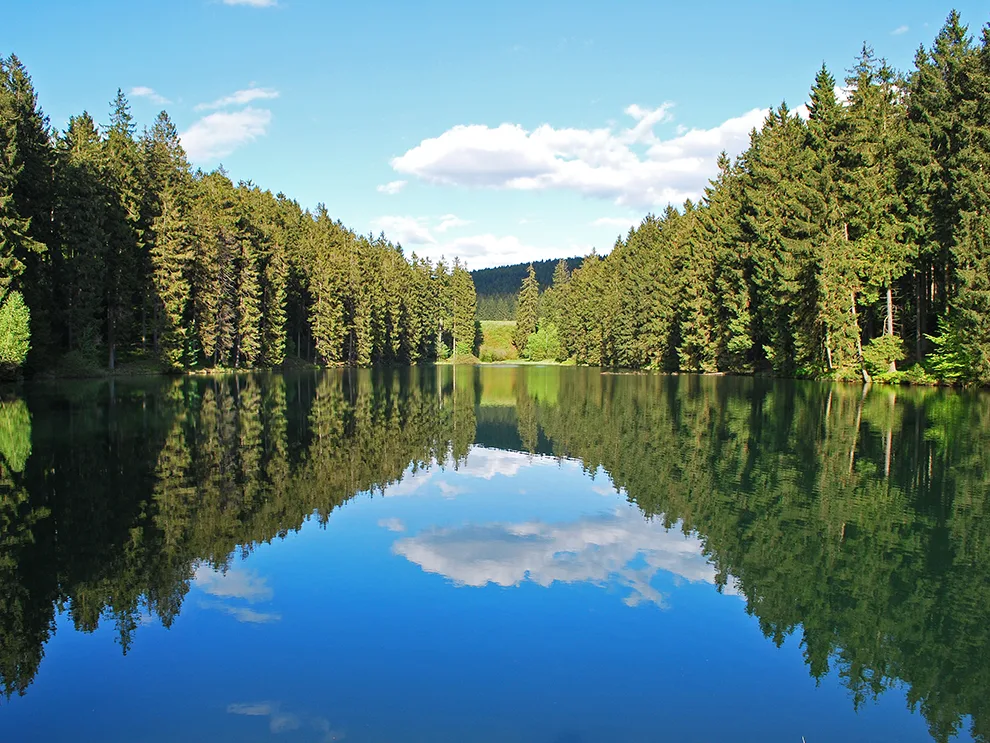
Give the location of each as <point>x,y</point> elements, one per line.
<point>111,340</point>
<point>890,321</point>
<point>919,319</point>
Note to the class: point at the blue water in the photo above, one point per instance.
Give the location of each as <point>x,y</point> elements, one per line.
<point>510,596</point>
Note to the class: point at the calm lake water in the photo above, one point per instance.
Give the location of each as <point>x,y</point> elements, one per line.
<point>545,555</point>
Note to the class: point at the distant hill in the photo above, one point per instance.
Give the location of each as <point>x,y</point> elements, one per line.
<point>507,279</point>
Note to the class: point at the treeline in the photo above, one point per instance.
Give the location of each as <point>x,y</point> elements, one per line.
<point>505,279</point>
<point>112,248</point>
<point>838,245</point>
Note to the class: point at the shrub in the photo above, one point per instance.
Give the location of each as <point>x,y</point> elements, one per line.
<point>949,361</point>
<point>15,331</point>
<point>544,344</point>
<point>880,352</point>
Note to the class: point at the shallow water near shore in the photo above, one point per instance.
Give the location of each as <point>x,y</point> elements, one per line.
<point>533,554</point>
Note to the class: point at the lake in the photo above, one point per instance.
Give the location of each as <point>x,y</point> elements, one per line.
<point>532,554</point>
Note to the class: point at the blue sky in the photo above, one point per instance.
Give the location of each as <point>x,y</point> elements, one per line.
<point>497,132</point>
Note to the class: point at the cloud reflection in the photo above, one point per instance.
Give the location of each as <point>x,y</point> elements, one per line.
<point>621,548</point>
<point>283,722</point>
<point>235,585</point>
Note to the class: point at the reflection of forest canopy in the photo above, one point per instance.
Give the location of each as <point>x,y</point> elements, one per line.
<point>856,518</point>
<point>129,487</point>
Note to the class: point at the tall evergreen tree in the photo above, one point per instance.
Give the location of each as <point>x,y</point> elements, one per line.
<point>126,260</point>
<point>527,308</point>
<point>464,309</point>
<point>83,240</point>
<point>170,235</point>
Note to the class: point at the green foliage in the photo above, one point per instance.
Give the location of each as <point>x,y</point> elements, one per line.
<point>15,434</point>
<point>505,280</point>
<point>544,344</point>
<point>527,308</point>
<point>497,340</point>
<point>881,354</point>
<point>15,330</point>
<point>868,219</point>
<point>496,306</point>
<point>949,359</point>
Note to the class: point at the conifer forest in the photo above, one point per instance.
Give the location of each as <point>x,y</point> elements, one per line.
<point>850,240</point>
<point>112,248</point>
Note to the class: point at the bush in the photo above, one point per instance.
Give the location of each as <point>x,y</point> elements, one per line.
<point>949,361</point>
<point>15,331</point>
<point>880,352</point>
<point>544,344</point>
<point>489,355</point>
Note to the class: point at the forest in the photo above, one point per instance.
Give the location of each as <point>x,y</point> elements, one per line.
<point>497,287</point>
<point>112,250</point>
<point>852,516</point>
<point>851,240</point>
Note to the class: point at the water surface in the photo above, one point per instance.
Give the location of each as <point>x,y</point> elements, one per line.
<point>545,555</point>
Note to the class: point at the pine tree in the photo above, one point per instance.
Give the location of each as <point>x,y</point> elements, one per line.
<point>839,266</point>
<point>778,218</point>
<point>527,308</point>
<point>170,235</point>
<point>555,298</point>
<point>464,310</point>
<point>873,131</point>
<point>970,306</point>
<point>83,242</point>
<point>126,260</point>
<point>26,193</point>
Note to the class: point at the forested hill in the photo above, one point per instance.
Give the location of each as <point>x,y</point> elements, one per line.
<point>113,250</point>
<point>507,279</point>
<point>851,241</point>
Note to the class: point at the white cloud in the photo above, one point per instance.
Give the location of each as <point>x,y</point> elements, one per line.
<point>143,91</point>
<point>410,483</point>
<point>480,251</point>
<point>485,463</point>
<point>244,614</point>
<point>621,548</point>
<point>282,722</point>
<point>450,222</point>
<point>392,524</point>
<point>392,187</point>
<point>236,583</point>
<point>646,119</point>
<point>219,134</point>
<point>900,30</point>
<point>629,166</point>
<point>240,98</point>
<point>405,230</point>
<point>253,3</point>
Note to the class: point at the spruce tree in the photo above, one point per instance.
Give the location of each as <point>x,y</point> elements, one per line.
<point>126,260</point>
<point>527,308</point>
<point>170,235</point>
<point>873,132</point>
<point>464,310</point>
<point>83,241</point>
<point>839,265</point>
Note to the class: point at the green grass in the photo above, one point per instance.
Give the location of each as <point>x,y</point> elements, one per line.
<point>497,342</point>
